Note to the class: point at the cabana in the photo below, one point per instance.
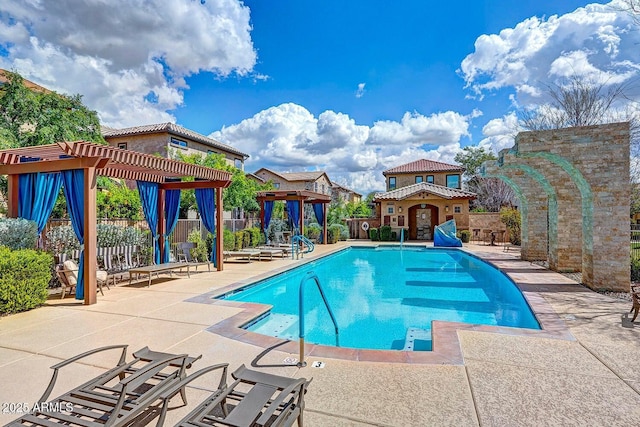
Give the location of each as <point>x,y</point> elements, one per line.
<point>35,175</point>
<point>295,200</point>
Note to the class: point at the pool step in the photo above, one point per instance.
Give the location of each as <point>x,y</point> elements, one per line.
<point>417,334</point>
<point>278,325</point>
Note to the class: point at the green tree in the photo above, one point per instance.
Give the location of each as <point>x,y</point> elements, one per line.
<point>240,194</point>
<point>492,193</point>
<point>29,118</point>
<point>358,210</point>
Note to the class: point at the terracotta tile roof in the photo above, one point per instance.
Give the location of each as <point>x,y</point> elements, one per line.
<point>438,190</point>
<point>27,83</point>
<point>424,165</point>
<point>173,129</point>
<point>296,176</point>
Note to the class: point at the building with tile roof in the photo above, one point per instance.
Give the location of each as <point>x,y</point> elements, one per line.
<point>167,138</point>
<point>316,181</point>
<point>340,192</point>
<point>422,194</point>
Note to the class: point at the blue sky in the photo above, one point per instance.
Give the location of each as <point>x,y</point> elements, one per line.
<point>349,87</point>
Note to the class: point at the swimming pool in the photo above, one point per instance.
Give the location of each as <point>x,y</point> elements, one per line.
<point>385,298</point>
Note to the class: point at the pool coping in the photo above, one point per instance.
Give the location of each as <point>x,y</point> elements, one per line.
<point>446,349</point>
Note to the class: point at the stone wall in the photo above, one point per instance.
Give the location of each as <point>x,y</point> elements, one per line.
<point>583,173</point>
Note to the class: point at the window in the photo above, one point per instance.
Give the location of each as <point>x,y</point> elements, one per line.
<point>418,179</point>
<point>390,209</point>
<point>122,145</point>
<point>276,185</point>
<point>315,187</point>
<point>453,181</point>
<point>209,151</point>
<point>238,164</point>
<point>430,179</point>
<point>322,188</point>
<point>392,183</point>
<point>457,208</point>
<point>179,142</point>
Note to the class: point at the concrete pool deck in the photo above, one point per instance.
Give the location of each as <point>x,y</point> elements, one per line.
<point>586,375</point>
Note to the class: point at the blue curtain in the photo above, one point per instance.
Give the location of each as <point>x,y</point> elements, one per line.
<point>268,210</point>
<point>74,193</point>
<point>205,198</point>
<point>171,207</point>
<point>319,211</point>
<point>149,198</point>
<point>37,193</point>
<point>293,210</point>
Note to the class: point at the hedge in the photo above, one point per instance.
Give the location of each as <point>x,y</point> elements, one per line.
<point>24,278</point>
<point>385,233</point>
<point>373,234</point>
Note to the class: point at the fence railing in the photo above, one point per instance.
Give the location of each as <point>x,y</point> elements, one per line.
<point>635,240</point>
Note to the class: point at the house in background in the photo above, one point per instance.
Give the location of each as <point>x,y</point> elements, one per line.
<point>163,138</point>
<point>339,192</point>
<point>317,181</point>
<point>421,195</point>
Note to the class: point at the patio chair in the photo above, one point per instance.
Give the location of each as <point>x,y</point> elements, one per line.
<point>257,398</point>
<point>68,277</point>
<point>185,254</point>
<point>123,395</point>
<point>635,297</point>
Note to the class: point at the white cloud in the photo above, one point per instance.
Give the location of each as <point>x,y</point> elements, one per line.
<point>500,133</point>
<point>288,137</point>
<point>360,90</point>
<point>593,41</point>
<point>117,53</point>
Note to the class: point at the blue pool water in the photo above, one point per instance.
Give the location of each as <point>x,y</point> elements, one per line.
<point>385,298</point>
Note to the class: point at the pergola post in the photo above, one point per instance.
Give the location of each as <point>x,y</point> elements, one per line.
<point>13,196</point>
<point>161,223</point>
<point>90,237</point>
<point>301,202</point>
<point>324,225</point>
<point>219,229</point>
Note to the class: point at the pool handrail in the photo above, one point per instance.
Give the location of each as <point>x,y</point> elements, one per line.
<point>311,275</point>
<point>295,248</point>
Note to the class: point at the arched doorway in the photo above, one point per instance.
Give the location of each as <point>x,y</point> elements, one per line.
<point>422,218</point>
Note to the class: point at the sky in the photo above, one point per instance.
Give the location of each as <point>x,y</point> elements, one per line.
<point>348,87</point>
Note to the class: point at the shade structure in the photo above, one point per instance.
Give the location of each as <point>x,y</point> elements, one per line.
<point>103,160</point>
<point>299,196</point>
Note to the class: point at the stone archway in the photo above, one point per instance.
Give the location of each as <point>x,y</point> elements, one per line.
<point>422,218</point>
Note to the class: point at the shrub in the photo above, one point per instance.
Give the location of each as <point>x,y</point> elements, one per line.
<point>313,231</point>
<point>18,233</point>
<point>385,233</point>
<point>373,234</point>
<point>24,278</point>
<point>511,219</point>
<point>200,251</point>
<point>465,235</point>
<point>256,236</point>
<point>276,225</point>
<point>333,233</point>
<point>229,242</point>
<point>246,238</point>
<point>239,237</point>
<point>635,269</point>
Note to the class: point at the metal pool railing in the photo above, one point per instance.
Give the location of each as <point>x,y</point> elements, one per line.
<point>311,275</point>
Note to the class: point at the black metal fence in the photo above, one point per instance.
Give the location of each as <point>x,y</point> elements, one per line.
<point>635,240</point>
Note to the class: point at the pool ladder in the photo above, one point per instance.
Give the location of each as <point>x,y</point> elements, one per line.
<point>295,246</point>
<point>309,276</point>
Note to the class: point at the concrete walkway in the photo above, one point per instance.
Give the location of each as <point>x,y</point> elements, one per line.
<point>588,376</point>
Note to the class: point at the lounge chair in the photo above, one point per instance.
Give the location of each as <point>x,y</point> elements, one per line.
<point>258,399</point>
<point>635,297</point>
<point>68,277</point>
<point>185,254</point>
<point>123,395</point>
<point>243,255</point>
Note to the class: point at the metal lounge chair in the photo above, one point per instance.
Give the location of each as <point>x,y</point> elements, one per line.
<point>185,255</point>
<point>635,298</point>
<point>257,398</point>
<point>68,277</point>
<point>123,395</point>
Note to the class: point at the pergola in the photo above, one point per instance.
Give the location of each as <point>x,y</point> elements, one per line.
<point>302,197</point>
<point>96,159</point>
